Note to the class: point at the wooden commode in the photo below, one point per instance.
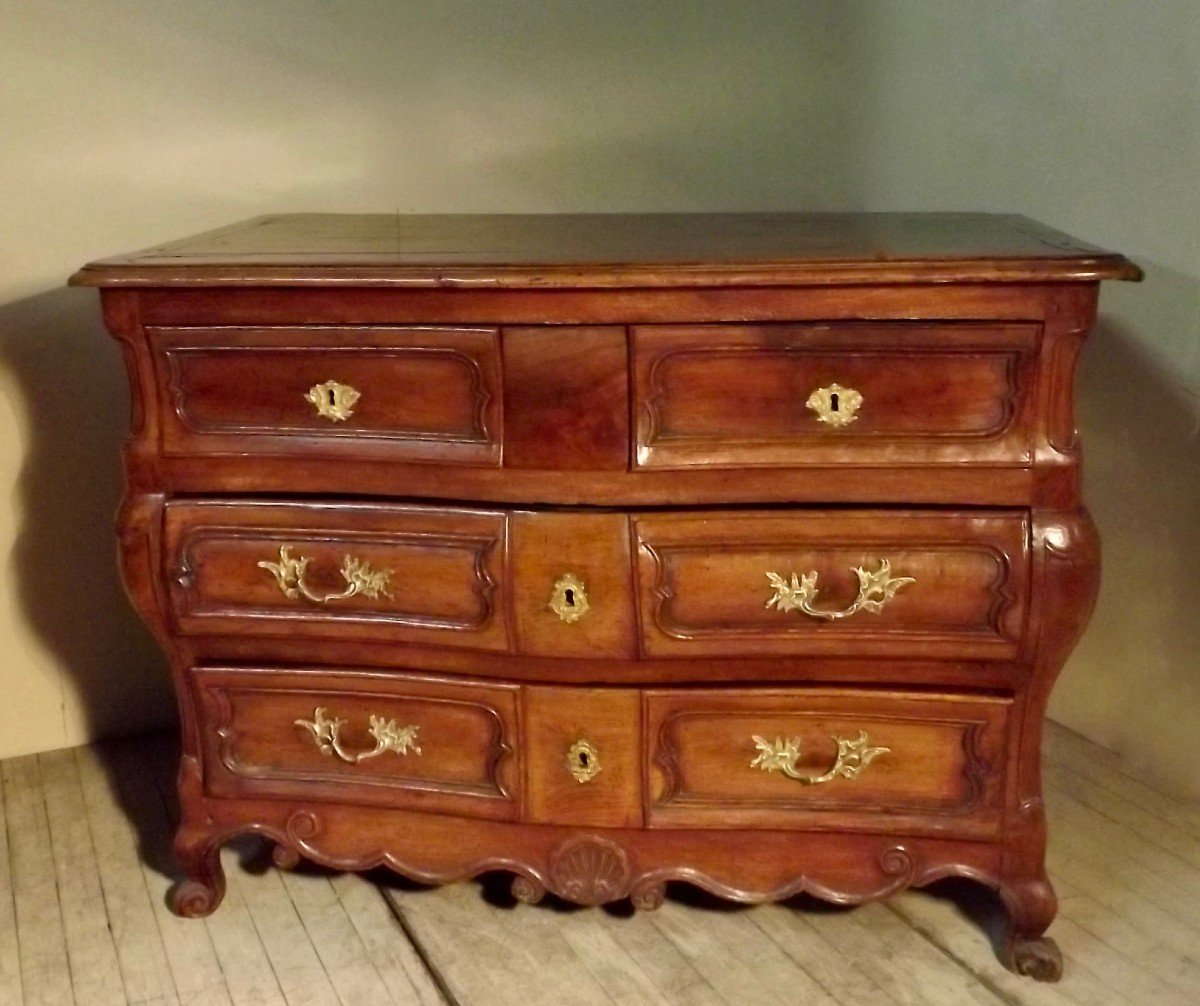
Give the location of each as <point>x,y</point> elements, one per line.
<point>606,551</point>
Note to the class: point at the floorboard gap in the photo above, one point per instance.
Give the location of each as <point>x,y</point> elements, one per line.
<point>419,948</point>
<point>979,976</point>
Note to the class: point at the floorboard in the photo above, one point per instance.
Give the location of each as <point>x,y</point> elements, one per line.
<point>85,867</point>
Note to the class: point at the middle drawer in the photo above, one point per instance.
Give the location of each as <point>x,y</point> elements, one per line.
<point>711,584</point>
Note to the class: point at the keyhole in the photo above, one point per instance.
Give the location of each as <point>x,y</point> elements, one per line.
<point>570,598</point>
<point>833,402</point>
<point>583,759</point>
<point>332,397</point>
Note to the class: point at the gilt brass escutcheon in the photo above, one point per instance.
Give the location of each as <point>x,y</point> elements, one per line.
<point>835,405</point>
<point>568,599</point>
<point>333,401</point>
<point>583,760</point>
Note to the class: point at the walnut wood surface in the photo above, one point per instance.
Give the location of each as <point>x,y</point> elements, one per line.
<point>616,249</point>
<point>470,753</point>
<point>622,399</point>
<point>931,394</point>
<point>939,775</point>
<point>610,720</point>
<point>424,394</point>
<point>704,591</point>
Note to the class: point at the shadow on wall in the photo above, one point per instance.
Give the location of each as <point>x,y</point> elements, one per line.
<point>76,410</point>
<point>1134,676</point>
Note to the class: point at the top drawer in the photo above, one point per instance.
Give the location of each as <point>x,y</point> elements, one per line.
<point>856,393</point>
<point>400,394</point>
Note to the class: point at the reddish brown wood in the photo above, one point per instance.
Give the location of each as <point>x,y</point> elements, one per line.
<point>931,394</point>
<point>622,399</point>
<point>466,756</point>
<point>616,249</point>
<point>567,399</point>
<point>594,549</point>
<point>704,591</point>
<point>425,394</point>
<point>446,579</point>
<point>936,777</point>
<point>609,720</point>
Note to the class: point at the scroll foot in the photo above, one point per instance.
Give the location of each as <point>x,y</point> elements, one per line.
<point>1038,958</point>
<point>285,857</point>
<point>647,899</point>
<point>526,890</point>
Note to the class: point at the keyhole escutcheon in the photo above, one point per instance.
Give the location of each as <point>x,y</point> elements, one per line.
<point>568,599</point>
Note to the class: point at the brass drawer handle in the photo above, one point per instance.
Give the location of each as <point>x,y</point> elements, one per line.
<point>583,760</point>
<point>333,401</point>
<point>874,591</point>
<point>359,576</point>
<point>835,405</point>
<point>388,737</point>
<point>568,598</point>
<point>781,756</point>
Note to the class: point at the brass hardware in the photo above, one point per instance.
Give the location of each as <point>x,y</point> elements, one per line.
<point>359,577</point>
<point>781,756</point>
<point>835,405</point>
<point>583,760</point>
<point>874,591</point>
<point>333,401</point>
<point>388,737</point>
<point>568,599</point>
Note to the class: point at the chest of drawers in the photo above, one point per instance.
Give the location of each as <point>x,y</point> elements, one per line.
<point>608,551</point>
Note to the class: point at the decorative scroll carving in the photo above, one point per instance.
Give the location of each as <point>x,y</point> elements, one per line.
<point>527,890</point>
<point>648,897</point>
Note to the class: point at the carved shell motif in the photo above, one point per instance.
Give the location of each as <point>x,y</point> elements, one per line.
<point>589,871</point>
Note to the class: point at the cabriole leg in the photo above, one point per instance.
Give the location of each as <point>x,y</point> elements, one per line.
<point>204,887</point>
<point>1032,905</point>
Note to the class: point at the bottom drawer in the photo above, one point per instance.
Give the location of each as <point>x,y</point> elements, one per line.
<point>349,737</point>
<point>823,758</point>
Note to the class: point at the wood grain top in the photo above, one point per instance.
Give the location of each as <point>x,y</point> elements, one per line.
<point>615,250</point>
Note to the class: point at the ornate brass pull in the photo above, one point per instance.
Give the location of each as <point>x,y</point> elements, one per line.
<point>781,756</point>
<point>874,591</point>
<point>359,577</point>
<point>583,760</point>
<point>568,599</point>
<point>333,401</point>
<point>388,737</point>
<point>835,405</point>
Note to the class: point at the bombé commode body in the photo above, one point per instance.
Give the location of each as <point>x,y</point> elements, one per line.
<point>612,550</point>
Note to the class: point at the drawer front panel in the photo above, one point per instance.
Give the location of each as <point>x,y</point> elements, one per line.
<point>398,740</point>
<point>338,571</point>
<point>792,396</point>
<point>402,394</point>
<point>833,583</point>
<point>584,756</point>
<point>824,758</point>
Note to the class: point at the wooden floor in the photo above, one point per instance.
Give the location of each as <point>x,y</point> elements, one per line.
<point>85,866</point>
